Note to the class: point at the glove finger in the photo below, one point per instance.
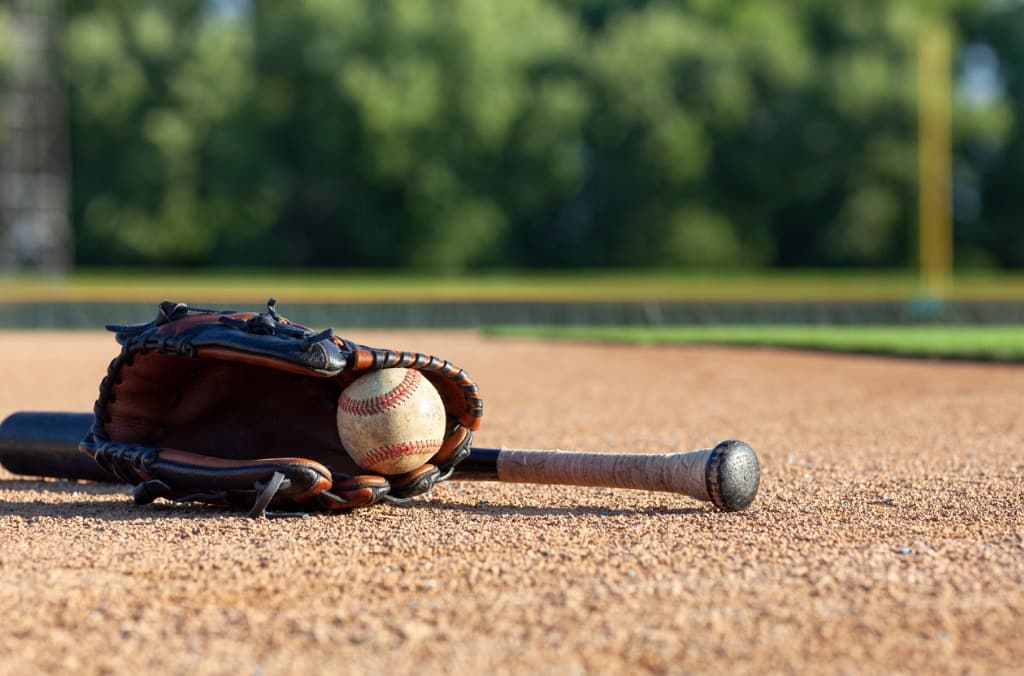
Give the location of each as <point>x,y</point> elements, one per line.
<point>456,447</point>
<point>416,482</point>
<point>193,473</point>
<point>350,492</point>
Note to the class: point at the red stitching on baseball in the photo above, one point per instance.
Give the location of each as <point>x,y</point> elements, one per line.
<point>382,402</point>
<point>399,450</point>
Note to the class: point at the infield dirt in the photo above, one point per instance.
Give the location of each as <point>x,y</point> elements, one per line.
<point>887,537</point>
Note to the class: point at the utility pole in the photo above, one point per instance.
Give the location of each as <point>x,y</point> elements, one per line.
<point>35,232</point>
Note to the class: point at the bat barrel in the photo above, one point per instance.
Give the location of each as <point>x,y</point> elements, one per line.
<point>732,475</point>
<point>727,475</point>
<point>41,443</point>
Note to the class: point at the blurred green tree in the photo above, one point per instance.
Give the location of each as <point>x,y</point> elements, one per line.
<point>989,166</point>
<point>359,133</point>
<point>453,119</point>
<point>6,61</point>
<point>451,134</point>
<point>158,91</point>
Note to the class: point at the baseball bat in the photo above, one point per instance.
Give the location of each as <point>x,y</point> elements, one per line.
<point>728,475</point>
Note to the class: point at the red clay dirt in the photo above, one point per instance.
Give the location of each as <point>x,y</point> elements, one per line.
<point>887,536</point>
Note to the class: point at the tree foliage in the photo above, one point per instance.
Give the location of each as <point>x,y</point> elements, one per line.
<point>7,55</point>
<point>450,134</point>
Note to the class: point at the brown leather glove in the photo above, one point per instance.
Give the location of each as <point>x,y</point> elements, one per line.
<point>240,408</point>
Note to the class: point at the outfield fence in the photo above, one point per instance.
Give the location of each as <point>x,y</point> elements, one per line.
<point>430,315</point>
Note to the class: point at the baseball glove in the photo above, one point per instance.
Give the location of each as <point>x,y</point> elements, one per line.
<point>239,408</point>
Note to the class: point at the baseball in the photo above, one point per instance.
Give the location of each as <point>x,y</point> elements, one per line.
<point>391,421</point>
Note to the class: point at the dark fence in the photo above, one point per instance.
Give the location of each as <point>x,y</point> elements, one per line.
<point>78,315</point>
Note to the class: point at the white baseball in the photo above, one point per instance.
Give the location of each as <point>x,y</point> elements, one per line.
<point>391,421</point>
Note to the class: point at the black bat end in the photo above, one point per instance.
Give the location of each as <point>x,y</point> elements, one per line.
<point>42,443</point>
<point>733,475</point>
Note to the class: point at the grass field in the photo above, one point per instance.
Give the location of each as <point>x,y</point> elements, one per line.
<point>989,343</point>
<point>369,286</point>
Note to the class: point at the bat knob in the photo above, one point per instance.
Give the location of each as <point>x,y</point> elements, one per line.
<point>733,475</point>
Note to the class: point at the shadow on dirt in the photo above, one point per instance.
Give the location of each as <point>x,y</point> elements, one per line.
<point>115,511</point>
<point>121,507</point>
<point>500,509</point>
<point>117,507</point>
<point>61,486</point>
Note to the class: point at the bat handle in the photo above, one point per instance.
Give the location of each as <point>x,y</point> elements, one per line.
<point>727,475</point>
<point>45,443</point>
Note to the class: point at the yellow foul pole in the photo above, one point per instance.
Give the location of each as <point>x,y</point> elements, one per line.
<point>935,171</point>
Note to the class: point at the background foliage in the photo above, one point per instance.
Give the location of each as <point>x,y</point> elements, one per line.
<point>455,134</point>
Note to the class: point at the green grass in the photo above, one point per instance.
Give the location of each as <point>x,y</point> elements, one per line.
<point>381,286</point>
<point>990,343</point>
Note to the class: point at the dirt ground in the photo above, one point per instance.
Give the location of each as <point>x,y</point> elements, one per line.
<point>887,537</point>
